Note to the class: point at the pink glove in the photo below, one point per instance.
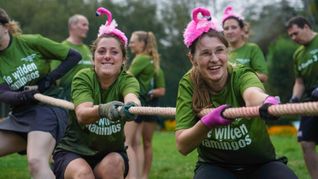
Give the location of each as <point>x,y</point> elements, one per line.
<point>215,117</point>
<point>263,110</point>
<point>271,100</point>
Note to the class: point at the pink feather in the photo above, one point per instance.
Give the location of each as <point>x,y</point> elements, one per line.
<point>229,12</point>
<point>110,26</point>
<point>199,25</point>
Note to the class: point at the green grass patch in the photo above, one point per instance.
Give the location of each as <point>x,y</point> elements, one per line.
<point>167,162</point>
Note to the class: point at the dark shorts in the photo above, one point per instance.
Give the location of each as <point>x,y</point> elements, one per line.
<point>308,129</point>
<point>63,158</point>
<point>36,118</point>
<point>272,169</point>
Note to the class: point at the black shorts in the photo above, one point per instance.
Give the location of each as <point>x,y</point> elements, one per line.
<point>271,169</point>
<point>308,129</point>
<point>63,158</point>
<point>37,117</point>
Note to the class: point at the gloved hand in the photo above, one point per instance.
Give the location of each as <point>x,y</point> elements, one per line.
<point>125,114</point>
<point>27,96</point>
<point>294,99</point>
<point>314,94</point>
<point>45,83</point>
<point>215,117</point>
<point>110,110</point>
<point>263,110</point>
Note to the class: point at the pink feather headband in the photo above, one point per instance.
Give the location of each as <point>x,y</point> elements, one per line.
<point>229,12</point>
<point>110,26</point>
<point>198,26</point>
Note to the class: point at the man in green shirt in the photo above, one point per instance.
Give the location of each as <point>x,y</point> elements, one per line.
<point>305,87</point>
<point>78,27</point>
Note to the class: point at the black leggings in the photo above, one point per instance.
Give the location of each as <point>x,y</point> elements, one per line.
<point>270,170</point>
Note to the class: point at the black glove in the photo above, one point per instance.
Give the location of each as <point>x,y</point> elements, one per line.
<point>125,114</point>
<point>110,110</point>
<point>314,94</point>
<point>45,83</point>
<point>294,99</point>
<point>263,110</point>
<point>27,96</point>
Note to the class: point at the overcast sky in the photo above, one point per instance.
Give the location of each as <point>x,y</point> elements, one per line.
<point>240,5</point>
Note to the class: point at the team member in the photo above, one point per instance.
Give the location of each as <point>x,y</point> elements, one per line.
<point>227,148</point>
<point>93,146</point>
<point>31,126</point>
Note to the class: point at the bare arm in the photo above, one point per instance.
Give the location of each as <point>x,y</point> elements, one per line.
<point>188,139</point>
<point>254,96</point>
<point>130,97</point>
<point>298,88</point>
<point>157,92</point>
<point>261,76</point>
<point>87,113</point>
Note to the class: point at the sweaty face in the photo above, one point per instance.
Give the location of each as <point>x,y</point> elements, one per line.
<point>298,34</point>
<point>232,31</point>
<point>210,58</point>
<point>135,45</point>
<point>108,57</point>
<point>81,27</point>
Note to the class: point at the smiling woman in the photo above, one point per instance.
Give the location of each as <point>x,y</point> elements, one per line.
<point>227,148</point>
<point>95,134</point>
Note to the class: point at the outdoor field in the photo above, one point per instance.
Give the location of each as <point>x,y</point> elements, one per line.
<point>168,163</point>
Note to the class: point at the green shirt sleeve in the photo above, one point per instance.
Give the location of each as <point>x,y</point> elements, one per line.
<point>138,65</point>
<point>258,62</point>
<point>160,79</point>
<point>185,116</point>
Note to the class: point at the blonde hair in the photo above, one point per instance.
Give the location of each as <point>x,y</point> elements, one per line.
<point>150,46</point>
<point>13,26</point>
<point>246,30</point>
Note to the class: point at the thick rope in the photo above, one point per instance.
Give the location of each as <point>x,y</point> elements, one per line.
<point>308,108</point>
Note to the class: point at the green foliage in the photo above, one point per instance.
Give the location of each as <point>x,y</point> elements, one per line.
<point>280,66</point>
<point>281,72</point>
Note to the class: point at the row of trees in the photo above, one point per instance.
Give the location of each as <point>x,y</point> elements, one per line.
<point>167,19</point>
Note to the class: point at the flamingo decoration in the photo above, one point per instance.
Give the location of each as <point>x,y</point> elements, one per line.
<point>110,26</point>
<point>199,25</point>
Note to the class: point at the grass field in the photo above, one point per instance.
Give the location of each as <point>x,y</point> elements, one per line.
<point>168,163</point>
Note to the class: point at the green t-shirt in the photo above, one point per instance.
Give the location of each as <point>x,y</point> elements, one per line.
<point>86,62</point>
<point>26,60</point>
<point>143,69</point>
<point>103,135</point>
<point>243,142</point>
<point>159,79</point>
<point>249,55</point>
<point>306,65</point>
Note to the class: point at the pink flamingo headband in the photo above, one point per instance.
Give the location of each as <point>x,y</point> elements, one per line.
<point>110,26</point>
<point>229,12</point>
<point>198,26</point>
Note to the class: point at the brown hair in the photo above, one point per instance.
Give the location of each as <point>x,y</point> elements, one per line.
<point>13,26</point>
<point>122,45</point>
<point>201,95</point>
<point>150,46</point>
